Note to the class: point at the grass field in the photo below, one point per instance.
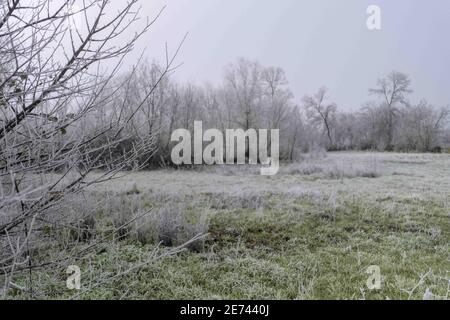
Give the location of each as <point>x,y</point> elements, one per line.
<point>310,232</point>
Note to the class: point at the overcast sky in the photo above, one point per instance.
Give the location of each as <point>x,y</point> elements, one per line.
<point>317,42</point>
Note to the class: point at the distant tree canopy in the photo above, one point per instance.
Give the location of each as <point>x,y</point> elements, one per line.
<point>254,96</point>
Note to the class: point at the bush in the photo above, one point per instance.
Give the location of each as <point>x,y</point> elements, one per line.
<point>172,225</point>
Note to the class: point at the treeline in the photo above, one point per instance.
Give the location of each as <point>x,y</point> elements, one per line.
<point>253,96</point>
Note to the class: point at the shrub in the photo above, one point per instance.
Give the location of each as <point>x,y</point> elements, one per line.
<point>172,225</point>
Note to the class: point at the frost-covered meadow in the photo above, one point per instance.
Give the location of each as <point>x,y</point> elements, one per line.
<point>309,232</point>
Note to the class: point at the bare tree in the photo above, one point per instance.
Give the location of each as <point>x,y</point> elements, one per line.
<point>294,134</point>
<point>53,83</point>
<point>319,111</point>
<point>393,90</point>
<point>422,127</point>
<point>243,87</point>
<point>277,95</point>
<point>346,131</point>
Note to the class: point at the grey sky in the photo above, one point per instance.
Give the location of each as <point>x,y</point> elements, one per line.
<point>317,42</point>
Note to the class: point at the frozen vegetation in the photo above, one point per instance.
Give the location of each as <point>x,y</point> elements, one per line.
<point>310,232</point>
